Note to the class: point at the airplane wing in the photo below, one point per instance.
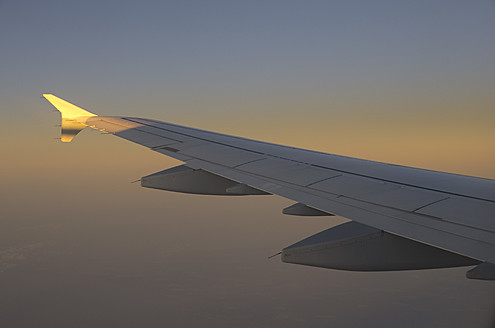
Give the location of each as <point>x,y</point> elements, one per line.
<point>402,217</point>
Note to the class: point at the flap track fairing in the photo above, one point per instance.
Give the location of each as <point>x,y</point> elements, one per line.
<point>357,247</point>
<point>187,180</point>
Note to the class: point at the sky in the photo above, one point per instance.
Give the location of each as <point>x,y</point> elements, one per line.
<point>405,82</point>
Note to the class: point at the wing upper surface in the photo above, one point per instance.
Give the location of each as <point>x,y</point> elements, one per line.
<point>450,211</point>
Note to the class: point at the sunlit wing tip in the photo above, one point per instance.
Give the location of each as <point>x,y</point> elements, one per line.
<point>67,109</point>
<point>73,117</point>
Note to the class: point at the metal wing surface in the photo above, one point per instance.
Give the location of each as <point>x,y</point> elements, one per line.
<point>449,211</point>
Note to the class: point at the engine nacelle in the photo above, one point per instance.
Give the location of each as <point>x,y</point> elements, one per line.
<point>187,180</point>
<point>358,247</point>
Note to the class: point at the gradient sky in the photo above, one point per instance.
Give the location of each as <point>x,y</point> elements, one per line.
<point>407,82</point>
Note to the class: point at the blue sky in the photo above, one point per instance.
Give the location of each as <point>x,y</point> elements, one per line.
<point>268,50</point>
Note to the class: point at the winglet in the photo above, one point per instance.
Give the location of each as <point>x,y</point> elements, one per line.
<point>67,109</point>
<point>73,117</point>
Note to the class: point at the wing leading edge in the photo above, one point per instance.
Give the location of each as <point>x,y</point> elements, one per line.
<point>449,213</point>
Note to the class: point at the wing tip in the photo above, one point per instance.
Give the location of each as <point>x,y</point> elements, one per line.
<point>67,109</point>
<point>73,117</point>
